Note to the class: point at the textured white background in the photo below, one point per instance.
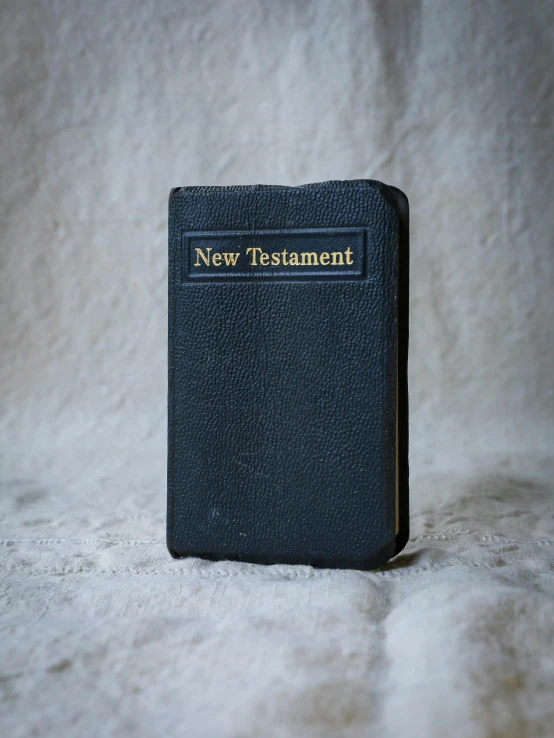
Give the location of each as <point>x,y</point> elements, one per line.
<point>104,107</point>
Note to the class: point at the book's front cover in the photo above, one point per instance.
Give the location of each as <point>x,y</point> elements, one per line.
<point>287,402</point>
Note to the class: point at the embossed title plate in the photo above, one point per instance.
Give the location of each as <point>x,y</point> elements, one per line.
<point>323,253</point>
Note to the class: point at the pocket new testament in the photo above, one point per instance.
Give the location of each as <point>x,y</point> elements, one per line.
<point>288,373</point>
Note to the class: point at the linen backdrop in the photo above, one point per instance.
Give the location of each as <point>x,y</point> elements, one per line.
<point>104,107</point>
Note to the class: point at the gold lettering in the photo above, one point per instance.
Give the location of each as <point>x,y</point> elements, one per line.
<point>230,258</point>
<point>253,249</point>
<point>206,259</point>
<point>309,258</point>
<point>259,257</point>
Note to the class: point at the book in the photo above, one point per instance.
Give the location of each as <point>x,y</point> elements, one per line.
<point>288,382</point>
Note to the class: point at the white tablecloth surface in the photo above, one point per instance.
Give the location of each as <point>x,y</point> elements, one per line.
<point>103,633</point>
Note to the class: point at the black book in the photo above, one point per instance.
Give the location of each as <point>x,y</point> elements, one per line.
<point>288,354</point>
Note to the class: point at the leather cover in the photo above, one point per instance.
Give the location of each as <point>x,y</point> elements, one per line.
<point>288,349</point>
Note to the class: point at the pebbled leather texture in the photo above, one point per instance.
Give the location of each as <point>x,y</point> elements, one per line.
<point>282,392</point>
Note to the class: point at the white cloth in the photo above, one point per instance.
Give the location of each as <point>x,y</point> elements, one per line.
<point>103,108</point>
<point>105,634</point>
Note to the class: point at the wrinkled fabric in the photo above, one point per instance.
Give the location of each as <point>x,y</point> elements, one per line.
<point>103,108</point>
